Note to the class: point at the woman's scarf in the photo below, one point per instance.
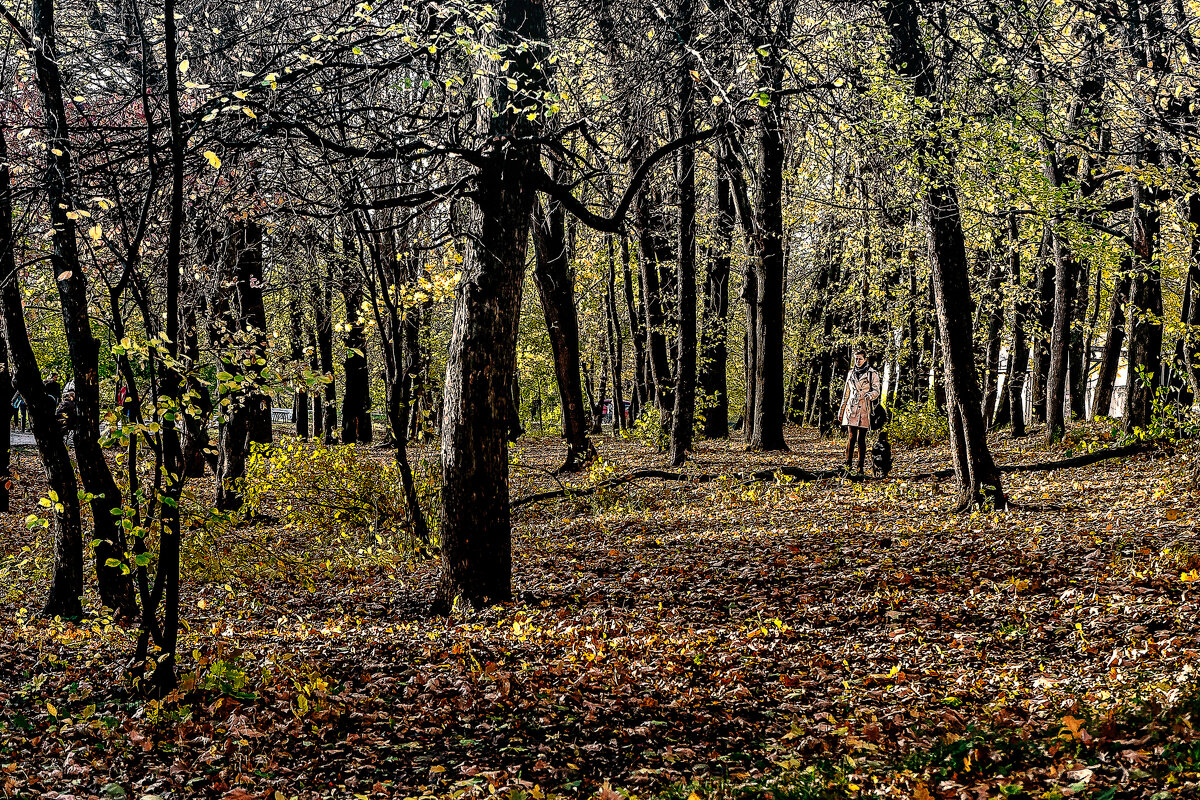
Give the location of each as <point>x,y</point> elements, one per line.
<point>860,372</point>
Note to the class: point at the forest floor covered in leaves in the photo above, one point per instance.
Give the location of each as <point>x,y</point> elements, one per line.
<point>776,639</point>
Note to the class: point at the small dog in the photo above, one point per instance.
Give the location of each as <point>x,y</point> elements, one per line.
<point>881,456</point>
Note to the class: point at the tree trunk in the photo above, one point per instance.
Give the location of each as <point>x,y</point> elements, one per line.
<point>769,284</point>
<point>684,413</point>
<point>1066,271</point>
<point>637,333</point>
<point>299,364</point>
<point>66,580</point>
<point>991,362</point>
<point>616,343</point>
<point>475,530</point>
<point>112,569</point>
<point>323,316</point>
<point>978,478</point>
<point>356,396</point>
<point>714,347</point>
<point>556,290</point>
<point>660,370</point>
<point>1114,342</point>
<point>1020,348</point>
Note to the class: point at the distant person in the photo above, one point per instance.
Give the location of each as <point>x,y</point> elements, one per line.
<point>53,388</point>
<point>859,397</point>
<point>20,410</point>
<point>65,414</point>
<point>123,401</point>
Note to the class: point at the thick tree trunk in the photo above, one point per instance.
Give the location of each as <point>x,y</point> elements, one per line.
<point>112,569</point>
<point>556,290</point>
<point>66,577</point>
<point>475,530</point>
<point>769,283</point>
<point>978,478</point>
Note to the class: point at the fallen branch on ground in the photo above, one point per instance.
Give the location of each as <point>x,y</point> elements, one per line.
<point>809,475</point>
<point>1046,466</point>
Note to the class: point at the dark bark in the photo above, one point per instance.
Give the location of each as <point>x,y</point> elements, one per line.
<point>978,478</point>
<point>242,336</point>
<point>475,528</point>
<point>637,334</point>
<point>1114,342</point>
<point>1020,348</point>
<point>299,365</point>
<point>684,413</point>
<point>768,409</point>
<point>174,475</point>
<point>356,394</point>
<point>655,315</point>
<point>314,363</point>
<point>616,341</point>
<point>322,296</point>
<point>112,569</point>
<point>556,290</point>
<point>714,342</point>
<point>66,578</point>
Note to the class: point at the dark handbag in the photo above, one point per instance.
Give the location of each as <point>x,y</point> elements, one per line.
<point>879,417</point>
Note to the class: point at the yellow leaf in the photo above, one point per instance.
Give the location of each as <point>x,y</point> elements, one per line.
<point>436,769</point>
<point>95,232</point>
<point>246,110</point>
<point>51,709</point>
<point>184,66</point>
<point>213,160</point>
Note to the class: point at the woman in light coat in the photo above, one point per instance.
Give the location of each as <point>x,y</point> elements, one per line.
<point>863,388</point>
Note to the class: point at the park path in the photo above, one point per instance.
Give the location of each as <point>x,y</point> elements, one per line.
<point>18,438</point>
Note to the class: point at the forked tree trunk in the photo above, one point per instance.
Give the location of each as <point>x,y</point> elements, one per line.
<point>112,569</point>
<point>66,578</point>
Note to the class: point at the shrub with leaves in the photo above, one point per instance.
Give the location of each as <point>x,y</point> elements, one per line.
<point>918,425</point>
<point>325,488</point>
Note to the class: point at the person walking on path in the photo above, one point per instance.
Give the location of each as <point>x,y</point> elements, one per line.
<point>863,389</point>
<point>20,410</point>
